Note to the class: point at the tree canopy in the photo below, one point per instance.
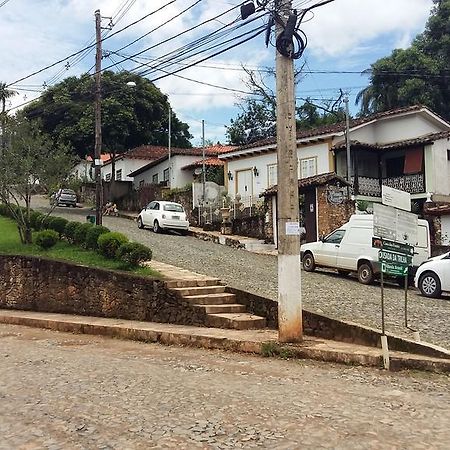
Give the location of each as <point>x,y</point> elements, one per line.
<point>418,74</point>
<point>131,116</point>
<point>28,159</point>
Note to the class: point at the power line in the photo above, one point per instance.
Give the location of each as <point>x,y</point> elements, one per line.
<point>4,3</point>
<point>92,45</point>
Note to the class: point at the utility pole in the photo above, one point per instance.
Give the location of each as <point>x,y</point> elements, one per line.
<point>170,147</point>
<point>347,143</point>
<point>290,327</point>
<point>98,121</point>
<point>203,164</point>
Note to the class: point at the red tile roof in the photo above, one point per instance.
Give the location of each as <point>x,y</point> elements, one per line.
<point>338,127</point>
<point>104,157</point>
<point>316,180</point>
<point>213,161</point>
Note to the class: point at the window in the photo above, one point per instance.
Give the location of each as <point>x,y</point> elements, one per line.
<point>272,175</point>
<point>151,205</point>
<point>108,177</point>
<point>156,206</point>
<point>395,166</point>
<point>155,179</point>
<point>448,155</point>
<point>308,167</point>
<point>119,175</point>
<point>166,175</point>
<point>173,207</point>
<point>335,237</point>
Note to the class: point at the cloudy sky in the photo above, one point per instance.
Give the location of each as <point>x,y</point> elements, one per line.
<point>343,36</point>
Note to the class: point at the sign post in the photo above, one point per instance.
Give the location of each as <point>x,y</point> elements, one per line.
<point>395,230</point>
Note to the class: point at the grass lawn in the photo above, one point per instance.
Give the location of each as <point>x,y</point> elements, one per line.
<point>10,244</point>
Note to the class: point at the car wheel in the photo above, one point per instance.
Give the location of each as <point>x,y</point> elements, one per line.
<point>309,265</point>
<point>140,223</point>
<point>156,227</point>
<point>365,273</point>
<point>430,285</point>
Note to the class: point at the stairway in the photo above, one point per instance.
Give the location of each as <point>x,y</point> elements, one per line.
<point>221,308</point>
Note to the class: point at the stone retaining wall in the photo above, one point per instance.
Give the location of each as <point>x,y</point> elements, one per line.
<point>328,328</point>
<point>44,285</point>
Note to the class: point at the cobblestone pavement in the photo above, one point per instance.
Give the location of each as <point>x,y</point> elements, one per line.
<point>64,391</point>
<point>322,291</point>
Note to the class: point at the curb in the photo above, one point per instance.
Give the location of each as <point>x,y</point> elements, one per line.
<point>184,336</point>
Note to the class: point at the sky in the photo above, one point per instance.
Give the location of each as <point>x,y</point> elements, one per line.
<point>343,36</point>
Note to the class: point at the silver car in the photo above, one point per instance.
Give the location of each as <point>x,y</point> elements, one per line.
<point>65,197</point>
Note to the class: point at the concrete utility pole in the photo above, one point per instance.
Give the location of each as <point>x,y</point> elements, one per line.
<point>290,327</point>
<point>98,121</point>
<point>170,147</point>
<point>203,164</point>
<point>347,142</point>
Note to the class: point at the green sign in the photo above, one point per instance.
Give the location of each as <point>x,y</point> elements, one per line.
<point>387,256</point>
<point>397,247</point>
<point>394,269</point>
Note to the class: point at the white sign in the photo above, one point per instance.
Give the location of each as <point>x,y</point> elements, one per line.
<point>396,198</point>
<point>98,162</point>
<point>292,229</point>
<point>394,225</point>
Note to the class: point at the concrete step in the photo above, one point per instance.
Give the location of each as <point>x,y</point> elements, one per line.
<point>227,308</point>
<point>200,290</point>
<point>193,283</point>
<point>211,299</point>
<point>236,321</point>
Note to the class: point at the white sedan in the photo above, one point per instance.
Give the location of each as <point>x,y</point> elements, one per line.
<point>433,276</point>
<point>161,215</point>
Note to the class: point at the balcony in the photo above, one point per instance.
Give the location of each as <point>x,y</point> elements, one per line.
<point>371,187</point>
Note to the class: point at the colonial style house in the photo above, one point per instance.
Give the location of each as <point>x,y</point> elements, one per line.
<point>84,170</point>
<point>183,167</point>
<point>406,148</point>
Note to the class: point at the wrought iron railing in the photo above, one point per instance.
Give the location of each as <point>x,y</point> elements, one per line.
<point>371,187</point>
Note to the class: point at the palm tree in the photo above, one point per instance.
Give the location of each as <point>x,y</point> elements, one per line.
<point>4,95</point>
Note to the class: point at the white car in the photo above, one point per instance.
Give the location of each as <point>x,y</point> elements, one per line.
<point>433,276</point>
<point>161,215</point>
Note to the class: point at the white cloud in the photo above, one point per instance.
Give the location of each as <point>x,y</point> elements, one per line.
<point>343,26</point>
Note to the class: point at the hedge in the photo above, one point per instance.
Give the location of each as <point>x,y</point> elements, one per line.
<point>79,237</point>
<point>134,253</point>
<point>46,238</point>
<point>92,236</point>
<point>109,243</point>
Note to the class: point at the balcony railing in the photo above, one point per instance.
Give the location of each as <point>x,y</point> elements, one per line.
<point>371,187</point>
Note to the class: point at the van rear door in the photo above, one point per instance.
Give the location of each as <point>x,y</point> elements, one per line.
<point>422,249</point>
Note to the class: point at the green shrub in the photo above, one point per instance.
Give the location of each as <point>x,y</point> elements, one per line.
<point>134,253</point>
<point>57,224</point>
<point>36,219</point>
<point>69,230</point>
<point>4,210</point>
<point>93,234</point>
<point>46,238</point>
<point>79,237</point>
<point>108,243</point>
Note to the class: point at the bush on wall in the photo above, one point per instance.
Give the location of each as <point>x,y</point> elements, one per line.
<point>109,243</point>
<point>92,236</point>
<point>134,253</point>
<point>46,239</point>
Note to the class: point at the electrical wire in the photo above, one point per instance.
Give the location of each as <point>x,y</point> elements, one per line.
<point>4,3</point>
<point>90,46</point>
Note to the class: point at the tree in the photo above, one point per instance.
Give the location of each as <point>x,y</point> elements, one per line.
<point>418,74</point>
<point>131,116</point>
<point>4,95</point>
<point>29,159</point>
<point>258,120</point>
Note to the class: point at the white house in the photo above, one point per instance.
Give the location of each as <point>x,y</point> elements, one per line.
<point>406,148</point>
<point>84,170</point>
<point>132,160</point>
<point>180,169</point>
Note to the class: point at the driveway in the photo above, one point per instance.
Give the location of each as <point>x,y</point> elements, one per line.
<point>324,292</point>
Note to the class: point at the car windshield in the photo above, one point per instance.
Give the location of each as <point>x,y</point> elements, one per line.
<point>173,207</point>
<point>68,191</point>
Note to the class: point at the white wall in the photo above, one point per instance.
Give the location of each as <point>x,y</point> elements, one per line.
<point>180,178</point>
<point>82,171</point>
<point>261,162</point>
<point>437,167</point>
<point>127,166</point>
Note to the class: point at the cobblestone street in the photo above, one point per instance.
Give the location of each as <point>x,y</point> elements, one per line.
<point>323,292</point>
<point>63,391</point>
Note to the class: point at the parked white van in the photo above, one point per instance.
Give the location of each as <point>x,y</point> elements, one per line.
<point>349,249</point>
